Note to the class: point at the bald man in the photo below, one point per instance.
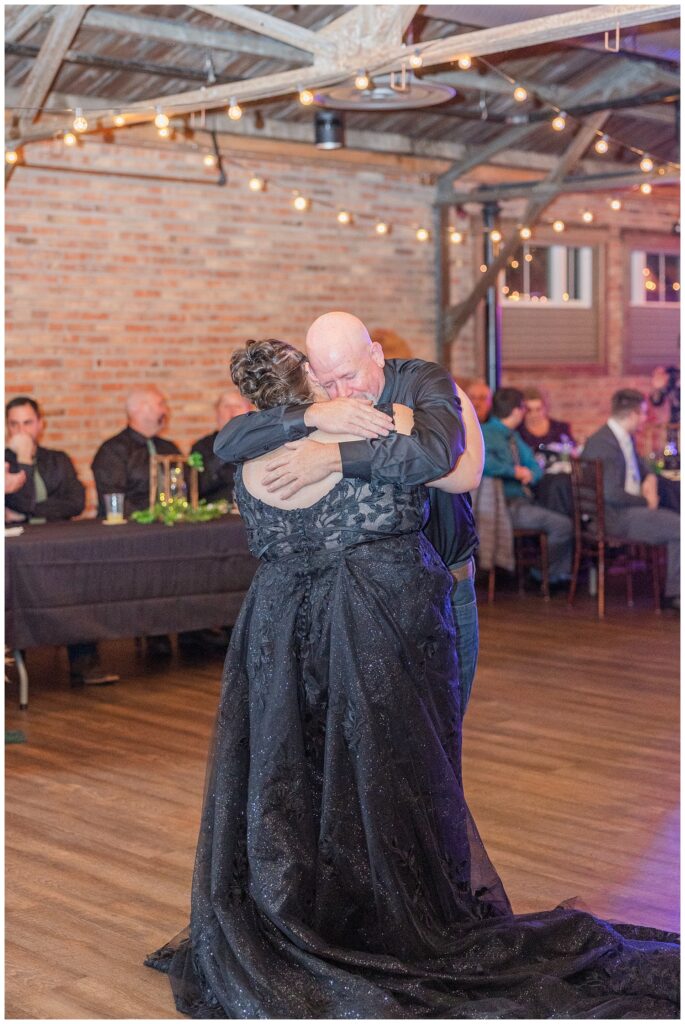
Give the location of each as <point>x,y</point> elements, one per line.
<point>216,480</point>
<point>356,376</point>
<point>122,464</point>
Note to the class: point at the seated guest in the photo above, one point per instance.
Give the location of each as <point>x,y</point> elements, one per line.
<point>630,490</point>
<point>43,487</point>
<point>216,481</point>
<point>508,457</point>
<point>539,431</point>
<point>481,397</point>
<point>122,465</point>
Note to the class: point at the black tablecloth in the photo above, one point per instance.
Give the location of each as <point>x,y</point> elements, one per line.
<point>554,492</point>
<point>81,581</point>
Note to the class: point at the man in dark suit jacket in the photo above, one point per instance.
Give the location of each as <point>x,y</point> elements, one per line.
<point>51,491</point>
<point>215,483</point>
<point>630,490</point>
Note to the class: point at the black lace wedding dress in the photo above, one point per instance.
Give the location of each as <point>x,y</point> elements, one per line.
<point>339,872</point>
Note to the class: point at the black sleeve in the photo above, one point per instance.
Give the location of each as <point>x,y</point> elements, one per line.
<point>432,448</point>
<point>254,433</point>
<point>110,471</point>
<point>69,497</point>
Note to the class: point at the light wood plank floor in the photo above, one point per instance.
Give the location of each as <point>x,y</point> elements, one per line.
<point>570,765</point>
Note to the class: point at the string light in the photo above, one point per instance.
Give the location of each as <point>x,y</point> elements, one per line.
<point>565,297</point>
<point>119,121</point>
<point>256,184</point>
<point>301,203</point>
<point>646,164</point>
<point>164,133</point>
<point>525,233</point>
<point>483,268</point>
<point>456,237</point>
<point>234,111</point>
<point>344,217</point>
<point>306,97</point>
<point>514,264</point>
<point>528,257</point>
<point>422,235</point>
<point>11,156</point>
<point>520,94</point>
<point>558,226</point>
<point>676,286</point>
<point>495,235</point>
<point>464,62</point>
<point>559,122</point>
<point>646,189</point>
<point>588,216</point>
<point>615,204</point>
<point>382,228</point>
<point>362,82</point>
<point>161,120</point>
<point>69,139</point>
<point>416,60</point>
<point>602,145</point>
<point>209,160</point>
<point>79,124</point>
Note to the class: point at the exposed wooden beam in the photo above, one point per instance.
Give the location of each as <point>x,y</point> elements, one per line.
<point>576,184</point>
<point>266,25</point>
<point>480,155</point>
<point>64,27</point>
<point>189,34</point>
<point>27,16</point>
<point>361,33</point>
<point>523,34</point>
<point>458,315</point>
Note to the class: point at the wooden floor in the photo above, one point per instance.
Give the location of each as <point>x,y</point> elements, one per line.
<point>570,765</point>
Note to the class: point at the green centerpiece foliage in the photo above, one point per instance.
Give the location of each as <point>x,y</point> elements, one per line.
<point>179,510</point>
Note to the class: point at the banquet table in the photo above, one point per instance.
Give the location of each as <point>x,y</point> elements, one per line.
<point>72,582</point>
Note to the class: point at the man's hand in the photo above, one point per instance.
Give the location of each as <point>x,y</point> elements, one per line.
<point>23,446</point>
<point>650,490</point>
<point>523,474</point>
<point>348,416</point>
<point>301,463</point>
<point>13,481</point>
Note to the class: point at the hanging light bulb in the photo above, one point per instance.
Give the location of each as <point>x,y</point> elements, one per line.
<point>164,133</point>
<point>79,124</point>
<point>256,184</point>
<point>301,203</point>
<point>416,60</point>
<point>520,94</point>
<point>119,120</point>
<point>588,216</point>
<point>514,264</point>
<point>525,233</point>
<point>646,164</point>
<point>209,160</point>
<point>161,119</point>
<point>362,82</point>
<point>456,237</point>
<point>235,111</point>
<point>602,145</point>
<point>646,189</point>
<point>382,228</point>
<point>495,235</point>
<point>483,267</point>
<point>464,62</point>
<point>615,204</point>
<point>422,235</point>
<point>11,156</point>
<point>69,139</point>
<point>528,257</point>
<point>558,226</point>
<point>306,97</point>
<point>344,217</point>
<point>559,122</point>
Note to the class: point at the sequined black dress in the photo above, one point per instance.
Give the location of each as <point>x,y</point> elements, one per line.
<point>339,872</point>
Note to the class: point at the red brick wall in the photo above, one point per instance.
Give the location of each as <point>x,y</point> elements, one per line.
<point>112,281</point>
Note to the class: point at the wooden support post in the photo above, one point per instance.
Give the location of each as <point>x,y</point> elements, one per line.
<point>42,74</point>
<point>442,281</point>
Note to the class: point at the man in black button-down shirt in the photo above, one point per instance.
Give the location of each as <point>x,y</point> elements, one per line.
<point>356,377</point>
<point>215,483</point>
<point>51,491</point>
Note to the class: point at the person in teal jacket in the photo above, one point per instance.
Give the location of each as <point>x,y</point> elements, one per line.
<point>507,456</point>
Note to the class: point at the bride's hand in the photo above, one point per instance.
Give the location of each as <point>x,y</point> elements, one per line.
<point>300,463</point>
<point>348,416</point>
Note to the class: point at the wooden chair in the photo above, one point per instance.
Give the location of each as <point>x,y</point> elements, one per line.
<point>591,540</point>
<point>524,558</point>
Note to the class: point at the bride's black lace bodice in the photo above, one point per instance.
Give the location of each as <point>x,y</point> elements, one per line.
<point>353,512</point>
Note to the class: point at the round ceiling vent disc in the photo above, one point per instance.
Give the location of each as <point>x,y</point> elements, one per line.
<point>382,96</point>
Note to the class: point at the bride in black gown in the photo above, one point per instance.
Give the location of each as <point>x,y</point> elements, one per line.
<point>338,871</point>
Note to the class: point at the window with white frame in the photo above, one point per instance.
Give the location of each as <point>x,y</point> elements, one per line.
<point>655,278</point>
<point>549,275</point>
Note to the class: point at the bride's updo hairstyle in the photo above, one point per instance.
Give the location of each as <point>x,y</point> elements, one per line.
<point>270,373</point>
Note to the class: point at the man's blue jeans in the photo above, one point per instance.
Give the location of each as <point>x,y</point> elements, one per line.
<point>465,611</point>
